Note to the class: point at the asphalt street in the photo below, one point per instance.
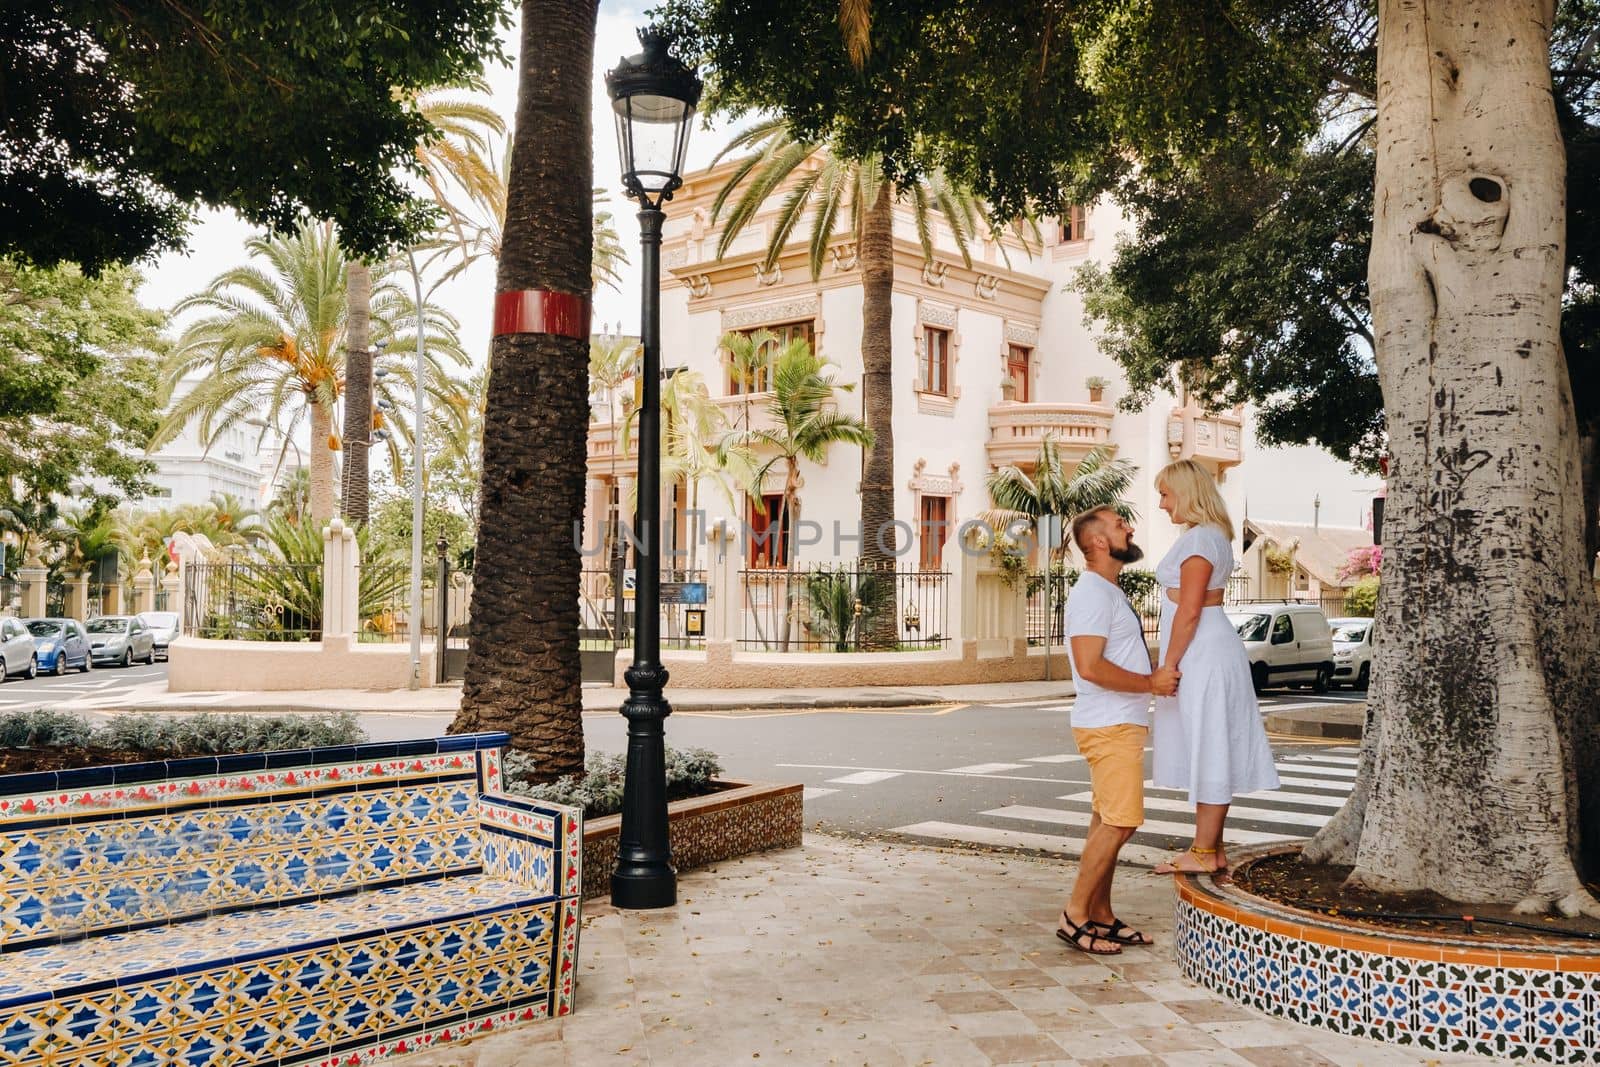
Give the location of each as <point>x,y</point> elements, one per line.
<point>99,682</point>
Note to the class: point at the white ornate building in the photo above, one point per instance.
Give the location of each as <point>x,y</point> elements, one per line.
<point>988,359</point>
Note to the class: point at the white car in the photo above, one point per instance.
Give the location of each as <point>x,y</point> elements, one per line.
<point>1352,652</point>
<point>1289,644</point>
<point>16,649</point>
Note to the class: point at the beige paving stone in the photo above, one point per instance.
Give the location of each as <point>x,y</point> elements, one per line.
<point>849,953</point>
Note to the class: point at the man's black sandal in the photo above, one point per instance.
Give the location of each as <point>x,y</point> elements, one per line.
<point>1076,938</point>
<point>1120,932</point>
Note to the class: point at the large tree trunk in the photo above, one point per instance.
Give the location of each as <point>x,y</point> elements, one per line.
<point>358,394</point>
<point>878,533</point>
<point>522,668</point>
<point>322,495</point>
<point>1480,742</point>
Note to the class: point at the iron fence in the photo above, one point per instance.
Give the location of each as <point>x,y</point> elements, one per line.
<point>1052,620</point>
<point>384,602</point>
<point>607,613</point>
<point>254,601</point>
<point>848,607</point>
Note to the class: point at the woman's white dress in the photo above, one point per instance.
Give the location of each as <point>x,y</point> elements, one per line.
<point>1208,739</point>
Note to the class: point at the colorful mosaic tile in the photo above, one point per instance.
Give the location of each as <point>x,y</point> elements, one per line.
<point>374,913</point>
<point>1546,1014</point>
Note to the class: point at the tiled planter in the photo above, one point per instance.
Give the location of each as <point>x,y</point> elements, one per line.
<point>746,817</point>
<point>323,906</point>
<point>1446,993</point>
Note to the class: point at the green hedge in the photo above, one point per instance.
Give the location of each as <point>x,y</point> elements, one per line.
<point>599,791</point>
<point>159,737</point>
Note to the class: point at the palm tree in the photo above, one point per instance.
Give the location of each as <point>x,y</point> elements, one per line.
<point>459,149</point>
<point>292,496</point>
<point>1098,481</point>
<point>234,516</point>
<point>613,361</point>
<point>273,340</point>
<point>806,424</point>
<point>522,664</point>
<point>475,216</point>
<point>859,191</point>
<point>29,517</point>
<point>86,536</point>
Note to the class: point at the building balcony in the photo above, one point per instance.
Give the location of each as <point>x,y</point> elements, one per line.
<point>605,447</point>
<point>1215,439</point>
<point>1017,429</point>
<point>747,411</point>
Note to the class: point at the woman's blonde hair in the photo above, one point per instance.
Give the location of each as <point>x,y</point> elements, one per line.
<point>1199,503</point>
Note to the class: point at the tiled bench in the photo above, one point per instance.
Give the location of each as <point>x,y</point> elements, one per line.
<point>325,906</point>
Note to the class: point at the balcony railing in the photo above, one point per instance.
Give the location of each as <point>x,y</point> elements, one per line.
<point>1016,429</point>
<point>1215,438</point>
<point>605,444</point>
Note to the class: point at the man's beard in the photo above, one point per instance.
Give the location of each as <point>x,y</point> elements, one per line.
<point>1129,553</point>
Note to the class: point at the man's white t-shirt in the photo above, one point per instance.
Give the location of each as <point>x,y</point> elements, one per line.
<point>1098,608</point>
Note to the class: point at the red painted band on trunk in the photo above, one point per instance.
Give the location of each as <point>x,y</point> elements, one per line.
<point>541,311</point>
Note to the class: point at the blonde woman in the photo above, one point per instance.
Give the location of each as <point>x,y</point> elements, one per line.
<point>1208,739</point>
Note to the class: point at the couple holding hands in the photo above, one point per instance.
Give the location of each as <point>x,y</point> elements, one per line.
<point>1206,729</point>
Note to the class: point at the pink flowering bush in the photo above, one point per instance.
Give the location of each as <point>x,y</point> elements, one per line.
<point>1362,562</point>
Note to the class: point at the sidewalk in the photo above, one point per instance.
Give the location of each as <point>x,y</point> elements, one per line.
<point>596,698</point>
<point>856,953</point>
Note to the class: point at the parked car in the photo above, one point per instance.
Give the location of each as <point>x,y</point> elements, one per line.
<point>163,626</point>
<point>1352,651</point>
<point>59,644</point>
<point>16,649</point>
<point>1289,644</point>
<point>121,639</point>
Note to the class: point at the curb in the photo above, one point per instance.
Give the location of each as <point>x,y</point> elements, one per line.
<point>1340,721</point>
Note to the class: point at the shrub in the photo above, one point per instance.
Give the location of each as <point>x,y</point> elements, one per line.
<point>833,595</point>
<point>160,738</point>
<point>1362,598</point>
<point>40,729</point>
<point>599,791</point>
<point>1137,585</point>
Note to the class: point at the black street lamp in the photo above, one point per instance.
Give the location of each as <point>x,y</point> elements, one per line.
<point>654,97</point>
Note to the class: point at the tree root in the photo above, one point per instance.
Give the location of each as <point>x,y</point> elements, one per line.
<point>1569,900</point>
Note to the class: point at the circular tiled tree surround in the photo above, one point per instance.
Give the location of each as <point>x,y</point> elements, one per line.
<point>1447,993</point>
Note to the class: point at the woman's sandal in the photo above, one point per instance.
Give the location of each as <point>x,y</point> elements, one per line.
<point>1171,866</point>
<point>1075,936</point>
<point>1120,932</point>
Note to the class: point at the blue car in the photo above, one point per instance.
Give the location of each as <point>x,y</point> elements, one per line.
<point>59,644</point>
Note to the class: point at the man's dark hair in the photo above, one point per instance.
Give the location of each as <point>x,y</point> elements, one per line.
<point>1082,524</point>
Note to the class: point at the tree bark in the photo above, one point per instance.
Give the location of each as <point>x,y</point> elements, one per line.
<point>322,495</point>
<point>1478,767</point>
<point>522,667</point>
<point>878,532</point>
<point>358,394</point>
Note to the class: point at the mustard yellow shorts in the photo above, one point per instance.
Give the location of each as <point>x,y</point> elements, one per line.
<point>1115,755</point>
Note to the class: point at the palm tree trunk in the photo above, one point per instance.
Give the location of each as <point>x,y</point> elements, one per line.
<point>522,667</point>
<point>358,393</point>
<point>878,547</point>
<point>322,501</point>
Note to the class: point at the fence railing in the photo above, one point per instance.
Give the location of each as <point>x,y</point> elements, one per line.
<point>1332,605</point>
<point>844,608</point>
<point>253,601</point>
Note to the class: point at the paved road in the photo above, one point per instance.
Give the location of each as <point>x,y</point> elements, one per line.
<point>108,683</point>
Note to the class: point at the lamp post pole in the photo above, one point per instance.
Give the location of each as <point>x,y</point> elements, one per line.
<point>654,97</point>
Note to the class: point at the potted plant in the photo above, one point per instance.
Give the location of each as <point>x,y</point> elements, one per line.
<point>1097,387</point>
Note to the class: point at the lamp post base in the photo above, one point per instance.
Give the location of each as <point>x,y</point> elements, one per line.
<point>643,889</point>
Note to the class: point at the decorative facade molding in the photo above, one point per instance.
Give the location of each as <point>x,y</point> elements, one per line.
<point>1021,333</point>
<point>767,314</point>
<point>846,256</point>
<point>939,316</point>
<point>675,257</point>
<point>924,484</point>
<point>931,314</point>
<point>934,274</point>
<point>769,277</point>
<point>987,286</point>
<point>699,286</point>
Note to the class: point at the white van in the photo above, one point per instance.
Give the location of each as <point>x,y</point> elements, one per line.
<point>1289,644</point>
<point>1352,652</point>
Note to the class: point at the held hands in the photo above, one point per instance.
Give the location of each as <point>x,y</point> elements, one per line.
<point>1164,682</point>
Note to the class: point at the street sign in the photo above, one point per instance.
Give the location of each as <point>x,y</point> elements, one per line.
<point>630,583</point>
<point>694,622</point>
<point>683,592</point>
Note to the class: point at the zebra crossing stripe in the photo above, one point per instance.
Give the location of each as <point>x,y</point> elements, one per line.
<point>985,768</point>
<point>998,837</point>
<point>1065,757</point>
<point>1336,761</point>
<point>812,792</point>
<point>1342,785</point>
<point>1063,817</point>
<point>864,778</point>
<point>1237,811</point>
<point>1310,800</point>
